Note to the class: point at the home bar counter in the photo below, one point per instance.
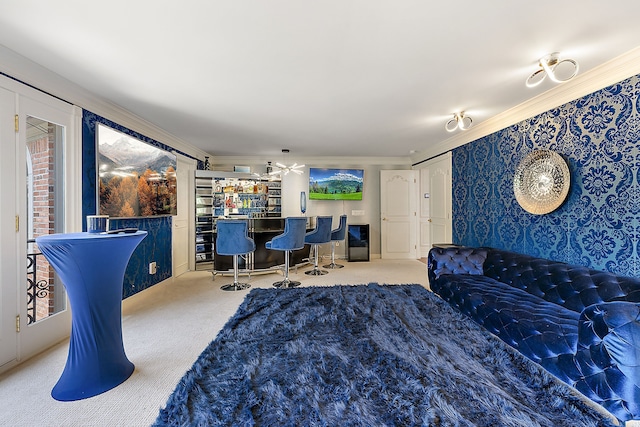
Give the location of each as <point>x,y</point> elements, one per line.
<point>263,260</point>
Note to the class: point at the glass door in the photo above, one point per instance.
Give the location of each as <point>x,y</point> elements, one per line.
<point>45,208</point>
<point>41,164</point>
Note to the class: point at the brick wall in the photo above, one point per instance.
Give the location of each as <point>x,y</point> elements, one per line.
<point>42,155</point>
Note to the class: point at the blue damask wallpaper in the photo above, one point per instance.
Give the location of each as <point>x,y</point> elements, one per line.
<point>157,245</point>
<point>599,224</point>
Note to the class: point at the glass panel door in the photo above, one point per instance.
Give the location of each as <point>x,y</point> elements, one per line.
<point>44,186</point>
<point>41,166</point>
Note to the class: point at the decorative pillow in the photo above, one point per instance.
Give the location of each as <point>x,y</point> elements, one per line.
<point>461,260</point>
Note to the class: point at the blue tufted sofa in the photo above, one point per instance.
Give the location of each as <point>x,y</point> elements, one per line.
<point>581,325</point>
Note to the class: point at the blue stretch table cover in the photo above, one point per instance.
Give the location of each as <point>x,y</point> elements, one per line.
<point>91,267</point>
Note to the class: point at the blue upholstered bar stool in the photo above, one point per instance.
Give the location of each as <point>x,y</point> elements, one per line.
<point>321,234</point>
<point>337,235</point>
<point>233,239</point>
<point>291,239</point>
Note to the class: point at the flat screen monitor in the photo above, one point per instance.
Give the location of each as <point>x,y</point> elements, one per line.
<point>335,184</point>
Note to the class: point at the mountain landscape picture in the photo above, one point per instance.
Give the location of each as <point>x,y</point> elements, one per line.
<point>135,178</point>
<point>335,184</point>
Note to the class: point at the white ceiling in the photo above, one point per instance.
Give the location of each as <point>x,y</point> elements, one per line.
<point>330,77</point>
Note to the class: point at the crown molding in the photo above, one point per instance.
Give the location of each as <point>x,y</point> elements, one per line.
<point>38,77</point>
<point>602,76</point>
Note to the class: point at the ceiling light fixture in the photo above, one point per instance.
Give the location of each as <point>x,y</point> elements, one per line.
<point>284,170</point>
<point>557,70</point>
<point>459,121</point>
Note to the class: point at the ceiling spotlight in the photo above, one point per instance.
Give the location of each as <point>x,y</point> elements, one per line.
<point>459,121</point>
<point>557,70</point>
<point>284,170</point>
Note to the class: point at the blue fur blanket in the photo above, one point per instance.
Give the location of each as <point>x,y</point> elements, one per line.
<point>368,355</point>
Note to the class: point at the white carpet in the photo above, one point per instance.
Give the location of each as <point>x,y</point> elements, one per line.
<point>165,328</point>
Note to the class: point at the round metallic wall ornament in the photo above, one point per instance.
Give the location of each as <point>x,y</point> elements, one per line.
<point>541,182</point>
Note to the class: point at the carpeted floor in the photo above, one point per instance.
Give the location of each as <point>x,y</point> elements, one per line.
<point>165,329</point>
<point>366,355</point>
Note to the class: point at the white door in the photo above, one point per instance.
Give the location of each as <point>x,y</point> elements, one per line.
<point>424,222</point>
<point>8,236</point>
<point>185,215</point>
<point>440,200</point>
<point>435,203</point>
<point>43,164</point>
<point>40,181</point>
<point>398,214</point>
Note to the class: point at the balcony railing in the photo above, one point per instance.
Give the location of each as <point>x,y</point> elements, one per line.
<point>35,288</point>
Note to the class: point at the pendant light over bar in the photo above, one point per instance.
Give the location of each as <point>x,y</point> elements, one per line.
<point>283,169</point>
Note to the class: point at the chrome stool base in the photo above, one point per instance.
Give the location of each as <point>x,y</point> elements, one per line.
<point>284,284</point>
<point>316,272</point>
<point>235,286</point>
<point>333,265</point>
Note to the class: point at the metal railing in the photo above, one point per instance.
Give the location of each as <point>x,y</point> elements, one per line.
<point>35,288</point>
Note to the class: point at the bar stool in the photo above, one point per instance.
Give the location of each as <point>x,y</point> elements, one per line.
<point>321,234</point>
<point>291,239</point>
<point>337,235</point>
<point>233,239</point>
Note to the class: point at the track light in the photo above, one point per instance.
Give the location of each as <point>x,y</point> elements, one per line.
<point>459,121</point>
<point>557,70</point>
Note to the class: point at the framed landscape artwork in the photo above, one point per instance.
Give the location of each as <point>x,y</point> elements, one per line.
<point>135,179</point>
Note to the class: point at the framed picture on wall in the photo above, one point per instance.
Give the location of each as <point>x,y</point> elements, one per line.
<point>135,179</point>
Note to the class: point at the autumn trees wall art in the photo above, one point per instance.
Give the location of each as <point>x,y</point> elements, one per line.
<point>135,178</point>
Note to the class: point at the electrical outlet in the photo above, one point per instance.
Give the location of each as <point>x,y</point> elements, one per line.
<point>153,268</point>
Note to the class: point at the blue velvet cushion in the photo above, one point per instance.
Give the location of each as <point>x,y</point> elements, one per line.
<point>460,260</point>
<point>616,327</point>
<point>232,237</point>
<point>293,236</point>
<point>623,340</point>
<point>322,232</point>
<point>544,332</point>
<point>571,286</point>
<point>609,351</point>
<point>582,325</point>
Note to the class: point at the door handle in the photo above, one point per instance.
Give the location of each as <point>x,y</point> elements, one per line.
<point>429,220</point>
